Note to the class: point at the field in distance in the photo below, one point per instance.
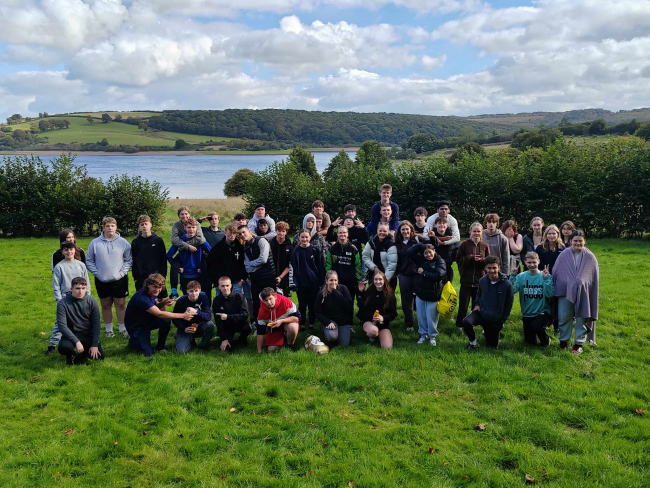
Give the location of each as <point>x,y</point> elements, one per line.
<point>81,131</point>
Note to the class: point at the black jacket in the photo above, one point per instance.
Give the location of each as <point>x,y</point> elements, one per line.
<point>356,235</point>
<point>496,299</point>
<point>226,260</point>
<point>405,265</point>
<point>547,257</point>
<point>202,306</point>
<point>337,307</point>
<point>281,254</point>
<point>346,261</point>
<point>428,284</point>
<point>371,301</point>
<point>234,306</point>
<point>149,256</point>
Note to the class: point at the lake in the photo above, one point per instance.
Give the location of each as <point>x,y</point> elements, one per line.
<point>191,176</point>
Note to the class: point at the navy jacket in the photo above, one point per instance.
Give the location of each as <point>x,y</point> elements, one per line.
<point>202,305</point>
<point>308,267</point>
<point>496,299</point>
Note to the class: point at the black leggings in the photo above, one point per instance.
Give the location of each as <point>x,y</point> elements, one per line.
<point>467,293</point>
<point>66,346</point>
<point>307,298</point>
<point>492,329</point>
<point>535,327</point>
<point>174,270</point>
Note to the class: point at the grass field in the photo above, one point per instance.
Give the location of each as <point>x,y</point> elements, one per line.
<point>80,131</point>
<point>359,417</point>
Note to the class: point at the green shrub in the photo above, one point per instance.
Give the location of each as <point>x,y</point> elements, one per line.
<point>236,184</point>
<point>37,199</point>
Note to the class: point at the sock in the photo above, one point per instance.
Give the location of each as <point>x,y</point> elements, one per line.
<point>122,328</point>
<point>174,291</point>
<point>474,342</point>
<point>108,327</point>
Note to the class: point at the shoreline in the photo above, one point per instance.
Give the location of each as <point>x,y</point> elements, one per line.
<point>172,153</point>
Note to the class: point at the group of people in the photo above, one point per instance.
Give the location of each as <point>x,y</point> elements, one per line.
<point>237,280</point>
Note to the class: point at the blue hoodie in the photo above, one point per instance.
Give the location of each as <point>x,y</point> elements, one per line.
<point>308,266</point>
<point>190,261</point>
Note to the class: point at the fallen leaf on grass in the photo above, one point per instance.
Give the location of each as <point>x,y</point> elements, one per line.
<point>57,474</point>
<point>325,444</point>
<point>26,453</point>
<point>226,437</point>
<point>529,479</point>
<point>445,463</point>
<point>116,443</point>
<point>420,362</point>
<point>639,411</point>
<point>385,448</point>
<point>375,428</point>
<point>43,333</point>
<point>67,454</point>
<point>193,435</point>
<point>466,477</point>
<point>223,478</point>
<point>431,449</point>
<point>145,422</point>
<point>480,427</point>
<point>68,432</point>
<point>345,414</point>
<point>11,380</point>
<point>311,472</point>
<point>144,432</point>
<point>51,420</point>
<point>351,484</point>
<point>233,409</point>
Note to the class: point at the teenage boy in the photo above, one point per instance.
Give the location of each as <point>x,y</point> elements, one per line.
<point>109,260</point>
<point>227,259</point>
<point>260,213</point>
<point>535,290</point>
<point>344,258</point>
<point>77,318</point>
<point>318,209</point>
<point>443,208</point>
<point>62,275</point>
<point>149,254</point>
<point>278,317</point>
<point>258,261</point>
<point>385,192</point>
<point>281,249</point>
<point>357,233</point>
<point>200,325</point>
<point>146,312</point>
<point>212,234</point>
<point>420,224</point>
<point>493,304</point>
<point>386,213</point>
<point>231,316</point>
<point>240,219</point>
<point>494,238</point>
<point>190,261</point>
<point>178,229</point>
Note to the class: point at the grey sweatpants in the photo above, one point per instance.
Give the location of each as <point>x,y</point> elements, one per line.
<point>566,316</point>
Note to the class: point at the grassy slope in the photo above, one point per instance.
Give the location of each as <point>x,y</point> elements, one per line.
<point>81,131</point>
<point>361,415</point>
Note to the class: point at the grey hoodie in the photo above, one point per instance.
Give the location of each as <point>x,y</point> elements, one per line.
<point>109,260</point>
<point>64,273</point>
<point>499,247</point>
<point>178,229</point>
<point>252,225</point>
<point>78,318</point>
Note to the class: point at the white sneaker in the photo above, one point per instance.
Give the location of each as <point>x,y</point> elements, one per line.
<point>422,339</point>
<point>124,333</point>
<point>110,333</point>
<point>409,329</point>
<point>460,330</point>
<point>432,342</point>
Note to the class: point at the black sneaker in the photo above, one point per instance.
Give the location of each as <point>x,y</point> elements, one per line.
<point>471,347</point>
<point>69,359</point>
<point>50,350</point>
<point>564,344</point>
<point>291,347</point>
<point>174,296</point>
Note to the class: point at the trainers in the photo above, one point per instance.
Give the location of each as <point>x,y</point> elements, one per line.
<point>409,329</point>
<point>371,340</point>
<point>174,296</point>
<point>422,339</point>
<point>471,347</point>
<point>548,343</point>
<point>432,341</point>
<point>460,330</point>
<point>110,333</point>
<point>563,344</point>
<point>69,359</point>
<point>576,349</point>
<point>291,347</point>
<point>125,334</point>
<point>50,350</point>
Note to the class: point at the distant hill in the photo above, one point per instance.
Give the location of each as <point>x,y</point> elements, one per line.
<point>551,119</point>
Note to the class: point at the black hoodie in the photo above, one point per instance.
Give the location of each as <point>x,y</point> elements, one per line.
<point>149,256</point>
<point>226,260</point>
<point>234,307</point>
<point>429,283</point>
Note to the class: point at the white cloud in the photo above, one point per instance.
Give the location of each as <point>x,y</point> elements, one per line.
<point>433,63</point>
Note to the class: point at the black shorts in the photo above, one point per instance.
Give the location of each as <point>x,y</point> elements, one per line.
<point>113,289</point>
<point>140,283</point>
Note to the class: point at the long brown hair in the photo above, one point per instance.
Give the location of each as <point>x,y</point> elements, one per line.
<point>63,237</point>
<point>386,290</point>
<point>399,240</point>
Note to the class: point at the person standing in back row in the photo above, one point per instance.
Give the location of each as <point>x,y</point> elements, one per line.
<point>385,193</point>
<point>533,238</point>
<point>191,245</point>
<point>493,237</point>
<point>471,265</point>
<point>109,260</point>
<point>149,254</point>
<point>258,261</point>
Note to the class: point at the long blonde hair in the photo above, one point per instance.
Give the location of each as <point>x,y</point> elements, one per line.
<point>546,244</point>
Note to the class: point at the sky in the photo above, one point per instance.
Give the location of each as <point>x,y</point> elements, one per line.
<point>435,57</point>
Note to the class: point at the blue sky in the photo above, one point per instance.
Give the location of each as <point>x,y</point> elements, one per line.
<point>466,56</point>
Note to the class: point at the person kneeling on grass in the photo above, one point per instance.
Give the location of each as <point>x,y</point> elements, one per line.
<point>77,318</point>
<point>493,304</point>
<point>146,312</point>
<point>230,315</point>
<point>377,307</point>
<point>278,316</point>
<point>199,325</point>
<point>431,277</point>
<point>535,289</point>
<point>334,308</point>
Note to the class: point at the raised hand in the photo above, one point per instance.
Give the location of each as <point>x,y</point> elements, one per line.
<point>546,272</point>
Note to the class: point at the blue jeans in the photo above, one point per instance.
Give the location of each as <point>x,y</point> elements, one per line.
<point>184,341</point>
<point>427,317</point>
<point>566,314</point>
<point>56,335</point>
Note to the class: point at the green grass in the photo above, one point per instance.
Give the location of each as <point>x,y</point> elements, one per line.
<point>404,417</point>
<point>80,131</point>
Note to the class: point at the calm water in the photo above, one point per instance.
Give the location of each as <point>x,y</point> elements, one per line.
<point>191,176</point>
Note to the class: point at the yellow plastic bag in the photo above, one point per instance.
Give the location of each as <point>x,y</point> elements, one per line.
<point>448,301</point>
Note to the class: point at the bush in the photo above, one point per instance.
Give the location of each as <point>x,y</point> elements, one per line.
<point>37,199</point>
<point>180,144</point>
<point>236,184</point>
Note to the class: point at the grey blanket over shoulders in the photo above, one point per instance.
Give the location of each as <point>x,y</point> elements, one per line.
<point>579,286</point>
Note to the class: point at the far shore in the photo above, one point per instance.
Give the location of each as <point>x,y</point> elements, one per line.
<point>172,153</point>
